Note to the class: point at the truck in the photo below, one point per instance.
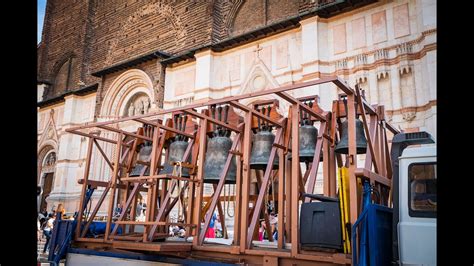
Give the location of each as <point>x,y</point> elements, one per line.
<point>414,199</point>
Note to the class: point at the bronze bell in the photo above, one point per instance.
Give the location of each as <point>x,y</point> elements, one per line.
<point>262,145</point>
<point>361,142</point>
<point>143,156</point>
<point>308,136</point>
<point>176,154</point>
<point>216,155</point>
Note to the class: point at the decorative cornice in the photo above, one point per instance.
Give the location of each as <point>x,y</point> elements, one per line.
<point>81,92</point>
<point>412,109</point>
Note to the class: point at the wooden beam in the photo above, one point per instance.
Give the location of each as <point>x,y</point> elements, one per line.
<point>104,155</point>
<point>113,185</point>
<point>200,176</point>
<point>246,146</point>
<point>162,247</point>
<point>97,184</point>
<point>94,136</point>
<point>212,120</point>
<point>96,209</point>
<point>337,81</point>
<point>315,165</point>
<point>125,132</point>
<point>295,169</point>
<point>160,176</point>
<point>391,127</point>
<point>281,203</point>
<point>352,157</point>
<point>125,208</point>
<point>258,114</point>
<point>84,187</point>
<point>306,108</point>
<point>342,84</point>
<point>370,143</point>
<point>174,130</point>
<point>361,172</point>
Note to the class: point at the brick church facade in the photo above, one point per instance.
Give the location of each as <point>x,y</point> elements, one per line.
<point>102,60</point>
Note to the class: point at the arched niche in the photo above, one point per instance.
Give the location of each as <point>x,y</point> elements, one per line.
<point>131,87</point>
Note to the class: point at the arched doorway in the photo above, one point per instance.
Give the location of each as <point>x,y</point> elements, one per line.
<point>47,167</point>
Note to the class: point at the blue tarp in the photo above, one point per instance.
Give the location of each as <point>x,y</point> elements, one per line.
<point>97,228</point>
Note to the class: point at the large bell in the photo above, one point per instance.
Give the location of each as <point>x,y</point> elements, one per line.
<point>262,145</point>
<point>308,136</point>
<point>176,154</point>
<point>143,156</point>
<point>217,151</point>
<point>361,141</point>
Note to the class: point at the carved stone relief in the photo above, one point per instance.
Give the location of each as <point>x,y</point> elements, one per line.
<point>137,105</point>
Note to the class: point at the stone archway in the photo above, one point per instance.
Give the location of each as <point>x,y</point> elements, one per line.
<point>46,169</point>
<point>125,89</point>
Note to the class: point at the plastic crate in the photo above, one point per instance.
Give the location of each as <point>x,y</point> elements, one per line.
<point>380,234</point>
<point>377,222</point>
<point>60,231</point>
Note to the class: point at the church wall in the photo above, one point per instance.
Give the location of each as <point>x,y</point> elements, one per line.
<point>384,49</point>
<point>70,149</point>
<point>388,48</point>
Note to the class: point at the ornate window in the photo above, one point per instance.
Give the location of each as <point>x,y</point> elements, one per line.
<point>137,105</point>
<point>50,160</point>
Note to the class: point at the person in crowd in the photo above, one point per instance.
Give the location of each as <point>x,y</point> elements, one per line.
<point>274,225</point>
<point>60,211</point>
<point>218,227</point>
<point>39,230</point>
<point>48,230</point>
<point>210,233</point>
<point>118,210</point>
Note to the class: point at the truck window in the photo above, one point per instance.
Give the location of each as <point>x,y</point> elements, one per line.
<point>422,190</point>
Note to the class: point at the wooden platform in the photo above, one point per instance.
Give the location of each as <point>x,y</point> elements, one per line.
<point>152,246</point>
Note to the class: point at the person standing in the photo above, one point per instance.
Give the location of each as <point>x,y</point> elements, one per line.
<point>210,233</point>
<point>139,209</point>
<point>48,230</point>
<point>60,212</point>
<point>118,210</point>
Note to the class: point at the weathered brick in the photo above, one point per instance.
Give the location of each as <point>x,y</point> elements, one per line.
<point>101,33</point>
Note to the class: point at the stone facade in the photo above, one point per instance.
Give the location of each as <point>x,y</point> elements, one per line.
<point>387,47</point>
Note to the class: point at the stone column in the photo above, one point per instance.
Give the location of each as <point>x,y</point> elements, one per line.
<point>204,73</point>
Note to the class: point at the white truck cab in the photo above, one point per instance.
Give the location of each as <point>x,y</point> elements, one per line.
<point>414,199</point>
<point>417,212</point>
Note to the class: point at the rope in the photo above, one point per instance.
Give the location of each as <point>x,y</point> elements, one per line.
<point>228,204</point>
<point>273,194</point>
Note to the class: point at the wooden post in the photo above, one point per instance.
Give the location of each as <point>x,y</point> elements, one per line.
<point>200,177</point>
<point>332,172</point>
<point>288,201</point>
<point>263,189</point>
<point>326,168</point>
<point>113,186</point>
<point>150,195</point>
<point>246,146</point>
<point>352,157</point>
<point>373,132</point>
<point>221,213</point>
<point>295,173</point>
<point>84,186</point>
<point>238,199</point>
<point>281,205</point>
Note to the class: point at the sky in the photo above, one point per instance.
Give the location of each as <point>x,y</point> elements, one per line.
<point>41,8</point>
